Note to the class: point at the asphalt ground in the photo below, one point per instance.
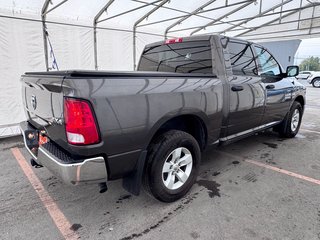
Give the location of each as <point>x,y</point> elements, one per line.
<point>263,187</point>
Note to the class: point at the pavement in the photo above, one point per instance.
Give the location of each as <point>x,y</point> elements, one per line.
<point>263,187</point>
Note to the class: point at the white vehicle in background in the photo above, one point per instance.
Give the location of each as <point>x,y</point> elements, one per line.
<point>304,75</point>
<point>314,79</point>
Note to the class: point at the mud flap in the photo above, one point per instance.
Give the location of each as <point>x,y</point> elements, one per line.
<point>132,182</point>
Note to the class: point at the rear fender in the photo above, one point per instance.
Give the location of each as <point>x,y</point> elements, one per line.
<point>171,115</point>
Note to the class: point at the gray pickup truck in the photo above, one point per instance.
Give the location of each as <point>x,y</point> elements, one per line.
<point>150,126</point>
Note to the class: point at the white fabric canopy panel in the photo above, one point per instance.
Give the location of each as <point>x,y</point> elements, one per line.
<point>21,49</point>
<point>70,27</point>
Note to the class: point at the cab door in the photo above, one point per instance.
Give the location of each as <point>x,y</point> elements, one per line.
<point>246,91</point>
<point>278,87</point>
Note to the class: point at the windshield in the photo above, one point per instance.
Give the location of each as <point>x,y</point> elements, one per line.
<point>184,57</point>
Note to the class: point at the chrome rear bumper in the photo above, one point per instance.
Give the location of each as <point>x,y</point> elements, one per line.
<point>90,170</point>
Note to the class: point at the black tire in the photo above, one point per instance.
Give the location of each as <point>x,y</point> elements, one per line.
<point>316,83</point>
<point>158,152</point>
<point>285,129</point>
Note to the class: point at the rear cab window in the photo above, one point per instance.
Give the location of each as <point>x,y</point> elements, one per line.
<point>182,57</point>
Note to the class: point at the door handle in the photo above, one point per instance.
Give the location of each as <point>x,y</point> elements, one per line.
<point>270,86</point>
<point>236,88</point>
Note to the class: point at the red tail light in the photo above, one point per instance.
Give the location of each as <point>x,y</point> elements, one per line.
<point>80,124</point>
<point>174,40</point>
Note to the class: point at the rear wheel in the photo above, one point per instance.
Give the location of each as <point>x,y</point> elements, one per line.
<point>316,83</point>
<point>173,164</point>
<point>291,124</point>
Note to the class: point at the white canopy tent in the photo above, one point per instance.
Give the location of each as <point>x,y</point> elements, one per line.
<point>39,35</point>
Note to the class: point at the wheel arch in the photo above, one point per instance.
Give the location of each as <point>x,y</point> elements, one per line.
<point>194,123</point>
<point>314,79</point>
<point>300,99</point>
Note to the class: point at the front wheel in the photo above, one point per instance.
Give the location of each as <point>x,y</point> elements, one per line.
<point>173,164</point>
<point>291,124</point>
<point>316,83</point>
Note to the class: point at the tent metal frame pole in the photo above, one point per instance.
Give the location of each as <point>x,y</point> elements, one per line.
<point>312,18</point>
<point>187,16</point>
<point>299,14</point>
<point>53,8</point>
<point>44,32</point>
<point>257,16</point>
<point>153,4</point>
<point>129,11</point>
<point>260,8</point>
<point>283,31</point>
<point>44,12</point>
<point>241,19</point>
<point>281,9</point>
<point>95,22</point>
<point>277,24</point>
<point>196,14</point>
<point>185,12</point>
<point>277,19</point>
<point>222,17</point>
<point>136,25</point>
<point>281,38</point>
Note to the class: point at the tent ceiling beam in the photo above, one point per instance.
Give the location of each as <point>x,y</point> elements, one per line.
<point>277,19</point>
<point>294,36</point>
<point>129,11</point>
<point>241,19</point>
<point>222,17</point>
<point>280,31</point>
<point>185,12</point>
<point>53,8</point>
<point>188,16</point>
<point>276,24</point>
<point>236,25</point>
<point>258,15</point>
<point>196,14</point>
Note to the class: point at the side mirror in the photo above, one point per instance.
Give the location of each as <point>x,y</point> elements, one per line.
<point>292,71</point>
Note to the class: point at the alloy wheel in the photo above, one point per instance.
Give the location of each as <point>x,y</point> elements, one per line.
<point>177,168</point>
<point>295,120</point>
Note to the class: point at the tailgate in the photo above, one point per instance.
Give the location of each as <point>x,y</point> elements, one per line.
<point>43,103</point>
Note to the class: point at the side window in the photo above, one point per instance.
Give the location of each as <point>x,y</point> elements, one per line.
<point>242,59</point>
<point>266,63</point>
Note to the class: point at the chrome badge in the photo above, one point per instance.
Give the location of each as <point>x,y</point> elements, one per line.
<point>34,102</point>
